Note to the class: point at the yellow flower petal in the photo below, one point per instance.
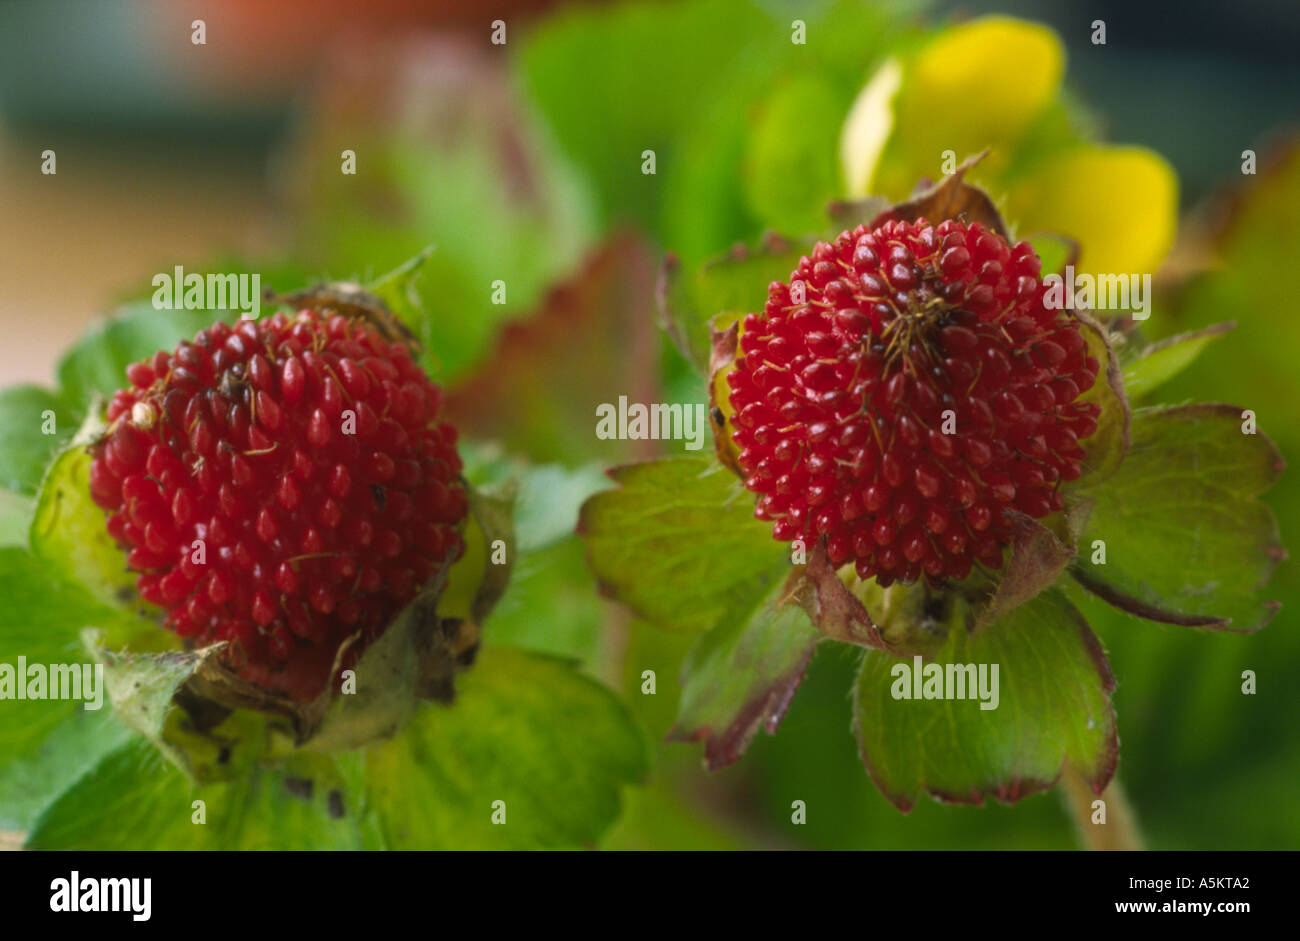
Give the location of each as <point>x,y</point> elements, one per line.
<point>980,84</point>
<point>866,130</point>
<point>1119,203</point>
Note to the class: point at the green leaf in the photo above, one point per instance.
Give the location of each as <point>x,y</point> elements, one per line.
<point>549,500</point>
<point>704,206</point>
<point>45,743</point>
<point>722,290</point>
<point>34,779</point>
<point>68,530</point>
<point>525,729</point>
<point>790,177</point>
<point>132,798</point>
<point>98,361</point>
<point>1186,542</point>
<point>678,543</point>
<point>15,518</point>
<point>698,195</point>
<point>1252,241</point>
<point>516,218</point>
<point>548,496</point>
<point>555,580</point>
<point>614,48</point>
<point>135,800</point>
<point>1053,706</point>
<point>26,412</point>
<point>1161,361</point>
<point>540,390</point>
<point>741,676</point>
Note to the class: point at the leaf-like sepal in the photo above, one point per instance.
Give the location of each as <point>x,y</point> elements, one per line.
<point>1184,539</point>
<point>1052,705</point>
<point>742,675</point>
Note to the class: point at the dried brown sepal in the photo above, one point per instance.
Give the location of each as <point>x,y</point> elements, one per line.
<point>417,658</point>
<point>352,301</point>
<point>950,198</point>
<point>832,608</point>
<point>1037,559</point>
<point>850,213</point>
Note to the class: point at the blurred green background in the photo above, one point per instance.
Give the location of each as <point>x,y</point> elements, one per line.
<point>522,163</point>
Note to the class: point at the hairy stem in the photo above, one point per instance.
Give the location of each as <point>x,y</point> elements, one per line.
<point>1119,832</point>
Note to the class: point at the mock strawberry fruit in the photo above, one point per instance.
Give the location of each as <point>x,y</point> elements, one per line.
<point>904,389</point>
<point>283,485</point>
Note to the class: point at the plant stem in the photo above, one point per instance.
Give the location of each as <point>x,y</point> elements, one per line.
<point>1119,832</point>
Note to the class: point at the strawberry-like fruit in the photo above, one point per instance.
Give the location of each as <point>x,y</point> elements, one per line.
<point>905,388</point>
<point>282,485</point>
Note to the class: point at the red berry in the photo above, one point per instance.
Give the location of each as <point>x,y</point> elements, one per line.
<point>239,440</point>
<point>919,390</point>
